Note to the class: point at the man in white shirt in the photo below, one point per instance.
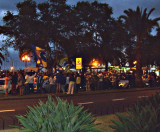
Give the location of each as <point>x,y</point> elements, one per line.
<point>29,83</point>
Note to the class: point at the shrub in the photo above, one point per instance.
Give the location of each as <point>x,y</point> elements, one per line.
<point>153,100</point>
<point>143,117</point>
<point>60,117</point>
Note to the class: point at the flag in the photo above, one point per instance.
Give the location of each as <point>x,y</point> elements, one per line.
<point>40,56</point>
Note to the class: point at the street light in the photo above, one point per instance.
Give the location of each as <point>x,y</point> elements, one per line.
<point>38,61</point>
<point>12,68</point>
<point>95,63</point>
<point>26,59</point>
<point>135,62</point>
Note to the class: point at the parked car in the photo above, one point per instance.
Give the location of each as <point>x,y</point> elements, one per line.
<point>124,84</point>
<point>2,86</point>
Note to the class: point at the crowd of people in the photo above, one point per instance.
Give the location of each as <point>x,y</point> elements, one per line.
<point>69,83</point>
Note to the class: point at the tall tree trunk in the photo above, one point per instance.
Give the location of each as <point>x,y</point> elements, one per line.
<point>139,72</point>
<point>84,68</point>
<point>49,59</point>
<point>106,65</point>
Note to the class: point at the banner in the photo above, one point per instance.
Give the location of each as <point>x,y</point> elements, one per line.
<point>40,56</point>
<point>78,63</point>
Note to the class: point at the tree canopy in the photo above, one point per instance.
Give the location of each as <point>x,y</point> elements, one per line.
<point>139,25</point>
<point>85,30</point>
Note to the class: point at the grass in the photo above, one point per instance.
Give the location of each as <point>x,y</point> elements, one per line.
<point>106,121</point>
<point>10,130</point>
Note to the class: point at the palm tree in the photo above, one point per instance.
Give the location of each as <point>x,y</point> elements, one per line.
<point>1,57</point>
<point>139,24</point>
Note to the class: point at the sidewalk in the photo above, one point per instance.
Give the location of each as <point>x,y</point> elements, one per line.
<point>38,96</point>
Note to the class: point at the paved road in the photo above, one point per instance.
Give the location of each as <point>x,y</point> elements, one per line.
<point>100,104</point>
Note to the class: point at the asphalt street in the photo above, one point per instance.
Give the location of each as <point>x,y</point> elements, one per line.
<point>98,104</point>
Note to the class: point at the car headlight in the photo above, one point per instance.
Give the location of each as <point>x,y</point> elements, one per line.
<point>121,84</point>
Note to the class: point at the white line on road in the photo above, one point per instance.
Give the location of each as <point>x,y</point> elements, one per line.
<point>7,110</point>
<point>118,99</point>
<point>85,103</point>
<point>142,96</point>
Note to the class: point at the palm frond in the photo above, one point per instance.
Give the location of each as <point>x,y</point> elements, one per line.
<point>144,14</point>
<point>128,12</point>
<point>123,17</point>
<point>156,19</point>
<point>138,10</point>
<point>150,12</point>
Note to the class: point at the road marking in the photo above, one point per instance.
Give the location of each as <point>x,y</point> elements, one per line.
<point>142,96</point>
<point>7,110</point>
<point>118,99</point>
<point>85,103</point>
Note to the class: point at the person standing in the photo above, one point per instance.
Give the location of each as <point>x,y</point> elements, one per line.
<point>26,88</point>
<point>59,81</point>
<point>114,80</point>
<point>39,83</point>
<point>63,82</point>
<point>78,83</point>
<point>94,81</point>
<point>83,82</point>
<point>67,83</point>
<point>14,83</point>
<point>100,82</point>
<point>51,83</point>
<point>21,83</point>
<point>29,83</point>
<point>7,82</point>
<point>71,84</point>
<point>88,80</point>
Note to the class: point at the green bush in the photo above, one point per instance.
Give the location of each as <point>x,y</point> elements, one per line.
<point>57,117</point>
<point>153,100</point>
<point>143,117</point>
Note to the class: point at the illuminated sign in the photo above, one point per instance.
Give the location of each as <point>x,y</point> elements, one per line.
<point>78,63</point>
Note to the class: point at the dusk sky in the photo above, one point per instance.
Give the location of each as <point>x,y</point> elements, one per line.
<point>118,7</point>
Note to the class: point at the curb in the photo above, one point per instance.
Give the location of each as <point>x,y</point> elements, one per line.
<point>80,94</point>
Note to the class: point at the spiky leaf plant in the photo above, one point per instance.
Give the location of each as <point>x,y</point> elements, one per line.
<point>57,117</point>
<point>143,117</point>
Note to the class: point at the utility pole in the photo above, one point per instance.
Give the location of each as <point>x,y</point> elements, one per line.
<point>5,59</point>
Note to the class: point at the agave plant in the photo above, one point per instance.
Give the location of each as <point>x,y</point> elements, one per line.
<point>143,117</point>
<point>60,117</point>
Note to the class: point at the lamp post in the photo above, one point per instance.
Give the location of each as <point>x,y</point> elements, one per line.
<point>26,59</point>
